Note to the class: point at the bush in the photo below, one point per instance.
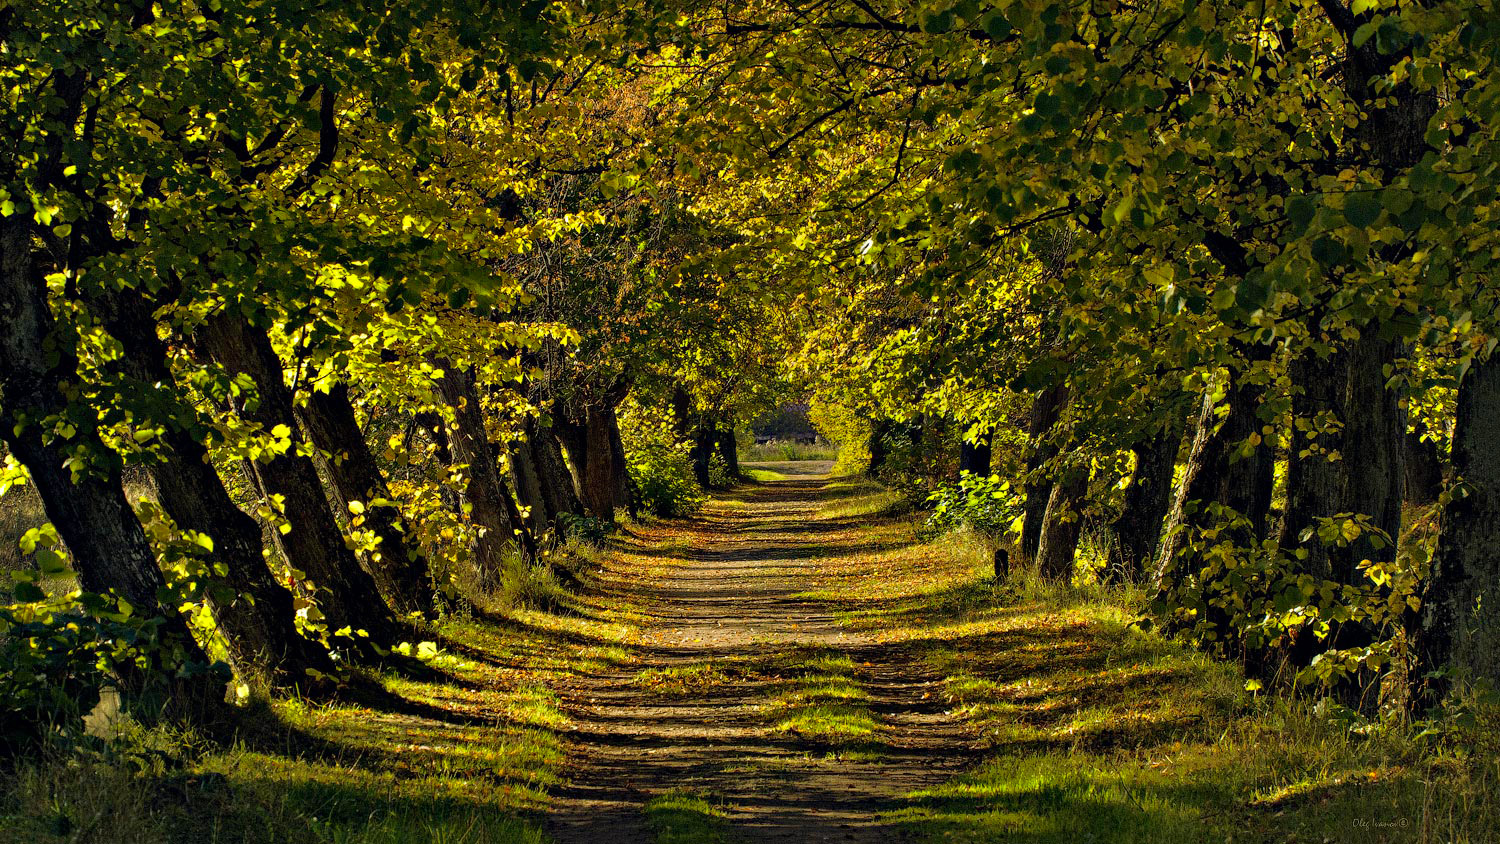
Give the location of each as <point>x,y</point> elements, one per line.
<point>664,478</point>
<point>56,657</point>
<point>585,529</point>
<point>982,503</point>
<point>719,476</point>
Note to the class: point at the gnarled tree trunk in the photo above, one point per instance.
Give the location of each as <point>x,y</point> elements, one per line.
<point>346,594</point>
<point>255,612</point>
<point>109,547</point>
<point>592,436</point>
<point>556,482</point>
<point>399,566</point>
<point>490,504</point>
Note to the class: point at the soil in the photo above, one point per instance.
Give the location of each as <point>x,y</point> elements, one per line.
<point>730,593</point>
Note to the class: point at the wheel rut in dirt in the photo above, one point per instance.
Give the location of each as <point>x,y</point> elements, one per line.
<point>736,645</point>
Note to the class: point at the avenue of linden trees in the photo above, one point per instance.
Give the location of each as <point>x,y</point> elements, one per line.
<point>733,421</point>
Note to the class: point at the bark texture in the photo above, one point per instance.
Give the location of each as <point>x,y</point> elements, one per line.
<point>1137,531</point>
<point>592,436</point>
<point>400,569</point>
<point>1062,526</point>
<point>1222,468</point>
<point>490,505</point>
<point>109,548</point>
<point>1041,448</point>
<point>254,611</point>
<point>1346,458</point>
<point>1459,622</point>
<point>1424,468</point>
<point>346,595</point>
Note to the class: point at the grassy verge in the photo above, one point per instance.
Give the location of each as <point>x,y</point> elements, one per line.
<point>462,747</point>
<point>1096,731</point>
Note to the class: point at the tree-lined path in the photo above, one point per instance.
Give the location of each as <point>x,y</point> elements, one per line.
<point>376,379</point>
<point>729,593</point>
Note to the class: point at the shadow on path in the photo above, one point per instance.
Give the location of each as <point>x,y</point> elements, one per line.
<point>731,609</point>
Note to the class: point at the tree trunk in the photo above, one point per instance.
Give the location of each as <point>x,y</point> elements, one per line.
<point>604,482</point>
<point>729,450</point>
<point>702,453</point>
<point>1062,526</point>
<point>542,480</point>
<point>400,569</point>
<point>879,430</point>
<point>1041,447</point>
<point>627,494</point>
<point>558,491</point>
<point>346,595</point>
<point>597,454</point>
<point>1424,468</point>
<point>1137,530</point>
<point>974,457</point>
<point>1459,622</point>
<point>1374,426</point>
<point>253,611</point>
<point>1314,481</point>
<point>1354,467</point>
<point>1225,468</point>
<point>526,480</point>
<point>109,548</point>
<point>490,504</point>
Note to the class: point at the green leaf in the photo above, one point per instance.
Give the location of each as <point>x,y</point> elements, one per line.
<point>50,562</point>
<point>939,23</point>
<point>27,593</point>
<point>1397,200</point>
<point>1361,210</point>
<point>1300,211</point>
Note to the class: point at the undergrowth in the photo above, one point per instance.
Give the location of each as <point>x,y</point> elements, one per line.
<point>460,743</point>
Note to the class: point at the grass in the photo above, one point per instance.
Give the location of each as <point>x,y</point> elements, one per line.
<point>694,678</point>
<point>784,451</point>
<point>684,816</point>
<point>762,475</point>
<point>822,702</point>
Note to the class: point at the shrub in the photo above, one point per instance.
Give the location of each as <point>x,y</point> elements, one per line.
<point>719,476</point>
<point>983,503</point>
<point>664,478</point>
<point>56,656</point>
<point>585,529</point>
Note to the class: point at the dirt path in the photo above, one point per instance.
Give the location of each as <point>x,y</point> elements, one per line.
<point>730,599</point>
